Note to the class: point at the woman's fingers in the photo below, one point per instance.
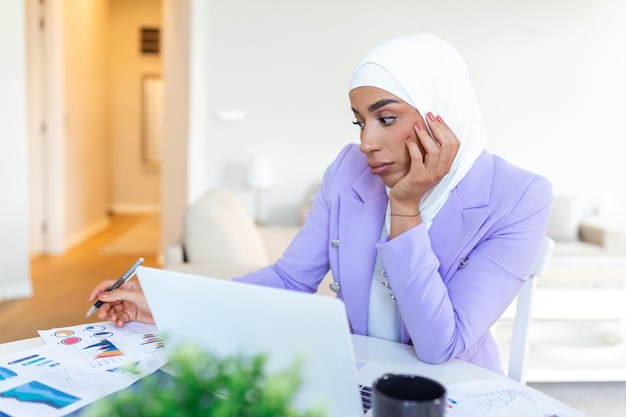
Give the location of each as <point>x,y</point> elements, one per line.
<point>127,303</point>
<point>121,318</point>
<point>430,161</point>
<point>448,144</point>
<point>429,143</point>
<point>122,294</point>
<point>429,172</point>
<point>101,287</point>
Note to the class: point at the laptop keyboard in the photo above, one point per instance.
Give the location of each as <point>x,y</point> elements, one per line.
<point>366,397</point>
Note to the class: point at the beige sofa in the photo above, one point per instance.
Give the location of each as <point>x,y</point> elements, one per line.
<point>221,240</point>
<point>589,250</point>
<point>578,329</point>
<point>585,279</point>
<point>579,312</point>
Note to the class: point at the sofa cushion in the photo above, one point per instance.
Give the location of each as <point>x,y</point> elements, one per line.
<point>567,212</point>
<point>577,248</point>
<point>219,229</point>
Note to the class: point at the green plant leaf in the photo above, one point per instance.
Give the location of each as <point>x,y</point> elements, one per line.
<point>206,385</point>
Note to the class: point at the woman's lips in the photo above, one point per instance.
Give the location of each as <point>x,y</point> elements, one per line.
<point>380,168</point>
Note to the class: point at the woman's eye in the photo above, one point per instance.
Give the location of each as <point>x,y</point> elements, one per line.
<point>361,125</point>
<point>387,120</point>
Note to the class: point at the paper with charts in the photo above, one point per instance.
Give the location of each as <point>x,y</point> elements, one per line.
<point>99,346</point>
<point>503,397</point>
<point>66,375</point>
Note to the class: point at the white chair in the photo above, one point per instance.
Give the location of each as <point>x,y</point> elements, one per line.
<point>520,340</point>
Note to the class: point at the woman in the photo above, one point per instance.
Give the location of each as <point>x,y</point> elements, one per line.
<point>428,236</point>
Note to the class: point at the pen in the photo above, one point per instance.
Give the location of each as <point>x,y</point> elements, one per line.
<point>127,275</point>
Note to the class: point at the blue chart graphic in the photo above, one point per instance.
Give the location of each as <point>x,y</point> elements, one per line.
<point>6,374</point>
<point>105,349</point>
<point>36,392</point>
<point>94,328</point>
<point>32,360</point>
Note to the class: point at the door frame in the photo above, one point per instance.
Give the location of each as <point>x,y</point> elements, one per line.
<point>45,81</point>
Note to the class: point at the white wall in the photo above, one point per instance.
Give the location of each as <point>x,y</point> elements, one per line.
<point>86,118</point>
<point>14,267</point>
<point>548,75</point>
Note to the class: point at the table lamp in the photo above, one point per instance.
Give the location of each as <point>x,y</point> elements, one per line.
<point>259,178</point>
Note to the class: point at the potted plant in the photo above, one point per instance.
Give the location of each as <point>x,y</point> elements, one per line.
<point>205,385</point>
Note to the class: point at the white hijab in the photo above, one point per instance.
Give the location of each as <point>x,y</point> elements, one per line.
<point>430,75</point>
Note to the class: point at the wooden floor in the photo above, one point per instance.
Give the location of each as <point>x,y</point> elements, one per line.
<point>61,284</point>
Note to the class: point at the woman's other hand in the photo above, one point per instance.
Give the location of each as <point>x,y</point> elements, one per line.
<point>127,303</point>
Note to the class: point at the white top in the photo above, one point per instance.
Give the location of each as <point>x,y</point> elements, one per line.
<point>383,319</point>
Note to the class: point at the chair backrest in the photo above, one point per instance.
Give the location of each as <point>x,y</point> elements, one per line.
<point>521,325</point>
<point>218,229</point>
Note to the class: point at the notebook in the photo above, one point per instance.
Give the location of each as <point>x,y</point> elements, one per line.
<point>228,317</point>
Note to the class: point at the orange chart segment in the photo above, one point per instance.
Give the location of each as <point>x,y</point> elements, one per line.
<point>104,349</point>
<point>98,354</point>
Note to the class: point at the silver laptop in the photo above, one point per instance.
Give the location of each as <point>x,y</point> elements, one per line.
<point>229,317</point>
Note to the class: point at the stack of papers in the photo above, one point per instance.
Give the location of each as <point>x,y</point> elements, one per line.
<point>503,397</point>
<point>77,366</point>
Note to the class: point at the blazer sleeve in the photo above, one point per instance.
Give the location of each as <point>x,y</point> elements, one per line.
<point>448,316</point>
<point>305,262</point>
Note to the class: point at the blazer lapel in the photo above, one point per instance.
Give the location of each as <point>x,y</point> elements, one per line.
<point>462,215</point>
<point>361,219</point>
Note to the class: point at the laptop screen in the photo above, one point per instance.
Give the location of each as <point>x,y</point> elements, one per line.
<point>229,318</point>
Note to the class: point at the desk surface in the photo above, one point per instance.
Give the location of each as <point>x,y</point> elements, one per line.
<point>381,356</point>
<point>19,345</point>
<point>378,357</point>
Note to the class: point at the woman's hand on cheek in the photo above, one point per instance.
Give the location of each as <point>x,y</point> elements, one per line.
<point>408,191</point>
<point>447,147</point>
<point>429,166</point>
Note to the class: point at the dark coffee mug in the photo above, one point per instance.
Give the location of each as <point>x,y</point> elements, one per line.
<point>397,395</point>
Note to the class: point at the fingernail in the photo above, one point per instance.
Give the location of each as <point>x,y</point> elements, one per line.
<point>430,116</point>
<point>104,295</point>
<point>439,119</point>
<point>419,126</point>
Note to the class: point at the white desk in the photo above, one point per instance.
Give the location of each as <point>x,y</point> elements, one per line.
<point>382,357</point>
<point>379,357</point>
<point>19,345</point>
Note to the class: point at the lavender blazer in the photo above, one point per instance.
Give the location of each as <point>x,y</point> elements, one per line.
<point>451,282</point>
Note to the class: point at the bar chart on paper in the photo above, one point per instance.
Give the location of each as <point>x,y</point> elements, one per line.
<point>103,353</point>
<point>103,346</point>
<point>93,344</point>
<point>27,386</point>
<point>39,382</point>
<point>35,392</point>
<point>77,366</point>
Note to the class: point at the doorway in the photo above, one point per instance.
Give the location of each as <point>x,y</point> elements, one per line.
<point>86,154</point>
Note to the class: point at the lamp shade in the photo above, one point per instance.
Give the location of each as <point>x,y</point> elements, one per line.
<point>260,174</point>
